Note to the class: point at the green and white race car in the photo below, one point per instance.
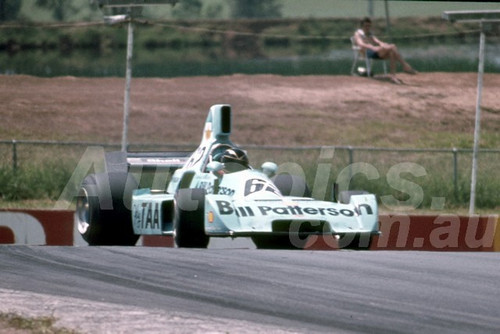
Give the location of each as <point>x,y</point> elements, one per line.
<point>214,192</point>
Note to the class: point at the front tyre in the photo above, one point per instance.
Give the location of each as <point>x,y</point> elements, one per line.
<point>189,220</point>
<point>291,185</point>
<point>103,209</point>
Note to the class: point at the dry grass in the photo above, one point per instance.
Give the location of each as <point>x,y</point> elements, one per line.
<point>11,323</point>
<point>430,110</point>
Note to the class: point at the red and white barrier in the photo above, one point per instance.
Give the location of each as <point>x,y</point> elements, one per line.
<point>52,228</point>
<point>399,232</point>
<point>429,233</point>
<point>438,233</point>
<point>36,227</point>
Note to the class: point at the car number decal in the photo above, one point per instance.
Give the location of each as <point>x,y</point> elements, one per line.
<point>256,185</point>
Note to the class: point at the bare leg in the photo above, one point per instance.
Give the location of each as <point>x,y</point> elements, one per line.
<point>392,68</point>
<point>390,51</point>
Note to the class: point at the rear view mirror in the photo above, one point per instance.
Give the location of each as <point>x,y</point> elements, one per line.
<point>215,166</point>
<point>269,168</point>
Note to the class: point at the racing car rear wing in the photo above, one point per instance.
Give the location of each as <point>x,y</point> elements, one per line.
<point>148,160</point>
<point>119,161</point>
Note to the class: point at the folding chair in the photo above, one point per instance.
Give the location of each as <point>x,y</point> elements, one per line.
<point>362,56</point>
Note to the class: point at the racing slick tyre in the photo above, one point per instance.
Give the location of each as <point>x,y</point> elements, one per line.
<point>189,219</point>
<point>103,209</point>
<point>345,196</point>
<point>291,185</point>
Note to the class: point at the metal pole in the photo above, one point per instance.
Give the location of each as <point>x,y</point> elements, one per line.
<point>128,78</point>
<point>387,20</point>
<point>477,126</point>
<point>351,160</point>
<point>455,173</point>
<point>14,156</point>
<point>371,11</point>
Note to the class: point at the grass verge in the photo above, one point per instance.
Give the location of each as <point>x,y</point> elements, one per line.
<point>35,325</point>
<point>416,183</point>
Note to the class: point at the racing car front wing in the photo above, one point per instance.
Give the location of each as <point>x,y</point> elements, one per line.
<point>226,216</point>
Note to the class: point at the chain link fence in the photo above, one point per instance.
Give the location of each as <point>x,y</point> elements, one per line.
<point>412,177</point>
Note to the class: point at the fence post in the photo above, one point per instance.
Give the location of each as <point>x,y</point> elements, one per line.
<point>455,172</point>
<point>351,160</point>
<point>14,156</point>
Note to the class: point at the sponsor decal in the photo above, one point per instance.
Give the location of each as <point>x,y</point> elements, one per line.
<point>209,187</point>
<point>226,208</point>
<point>196,157</point>
<point>226,191</point>
<point>208,130</point>
<point>159,161</point>
<point>206,185</point>
<point>147,216</point>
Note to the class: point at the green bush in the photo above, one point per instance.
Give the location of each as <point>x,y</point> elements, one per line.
<point>428,183</point>
<point>45,181</point>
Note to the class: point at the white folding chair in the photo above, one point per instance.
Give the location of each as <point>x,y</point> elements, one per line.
<point>359,55</point>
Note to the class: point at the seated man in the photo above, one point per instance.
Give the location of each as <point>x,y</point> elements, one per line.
<point>376,49</point>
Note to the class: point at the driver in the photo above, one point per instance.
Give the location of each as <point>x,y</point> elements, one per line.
<point>234,159</point>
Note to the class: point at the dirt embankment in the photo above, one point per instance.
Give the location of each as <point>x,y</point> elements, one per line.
<point>428,110</point>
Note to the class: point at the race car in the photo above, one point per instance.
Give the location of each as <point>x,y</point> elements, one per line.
<point>215,192</point>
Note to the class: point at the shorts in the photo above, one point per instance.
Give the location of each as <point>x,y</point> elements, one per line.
<point>372,54</point>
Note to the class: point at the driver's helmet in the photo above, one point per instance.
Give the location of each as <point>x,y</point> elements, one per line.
<point>232,157</point>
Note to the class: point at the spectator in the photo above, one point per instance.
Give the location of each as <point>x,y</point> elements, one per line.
<point>377,49</point>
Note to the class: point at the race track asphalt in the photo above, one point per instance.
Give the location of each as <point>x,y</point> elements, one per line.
<point>264,290</point>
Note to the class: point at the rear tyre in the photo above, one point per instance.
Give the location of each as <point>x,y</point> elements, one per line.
<point>189,220</point>
<point>103,209</point>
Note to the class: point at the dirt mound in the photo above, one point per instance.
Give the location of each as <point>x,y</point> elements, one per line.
<point>428,110</point>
